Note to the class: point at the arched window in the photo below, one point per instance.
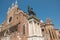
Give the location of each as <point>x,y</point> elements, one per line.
<point>50,34</point>
<point>23,29</point>
<point>10,19</point>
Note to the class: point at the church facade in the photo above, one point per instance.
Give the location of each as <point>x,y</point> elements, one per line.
<point>49,32</point>
<point>26,26</point>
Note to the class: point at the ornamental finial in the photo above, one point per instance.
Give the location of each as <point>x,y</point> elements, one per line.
<point>16,4</point>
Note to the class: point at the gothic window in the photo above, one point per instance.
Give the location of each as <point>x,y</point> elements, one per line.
<point>50,34</point>
<point>53,35</point>
<point>10,19</point>
<point>23,29</point>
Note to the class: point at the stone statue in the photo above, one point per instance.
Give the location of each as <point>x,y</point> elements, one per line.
<point>30,11</point>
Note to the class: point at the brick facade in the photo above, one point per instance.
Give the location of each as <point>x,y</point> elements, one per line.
<point>21,26</point>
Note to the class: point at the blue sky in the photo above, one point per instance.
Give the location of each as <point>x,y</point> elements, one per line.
<point>43,9</point>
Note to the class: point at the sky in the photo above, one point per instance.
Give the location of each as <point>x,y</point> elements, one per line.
<point>43,9</point>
